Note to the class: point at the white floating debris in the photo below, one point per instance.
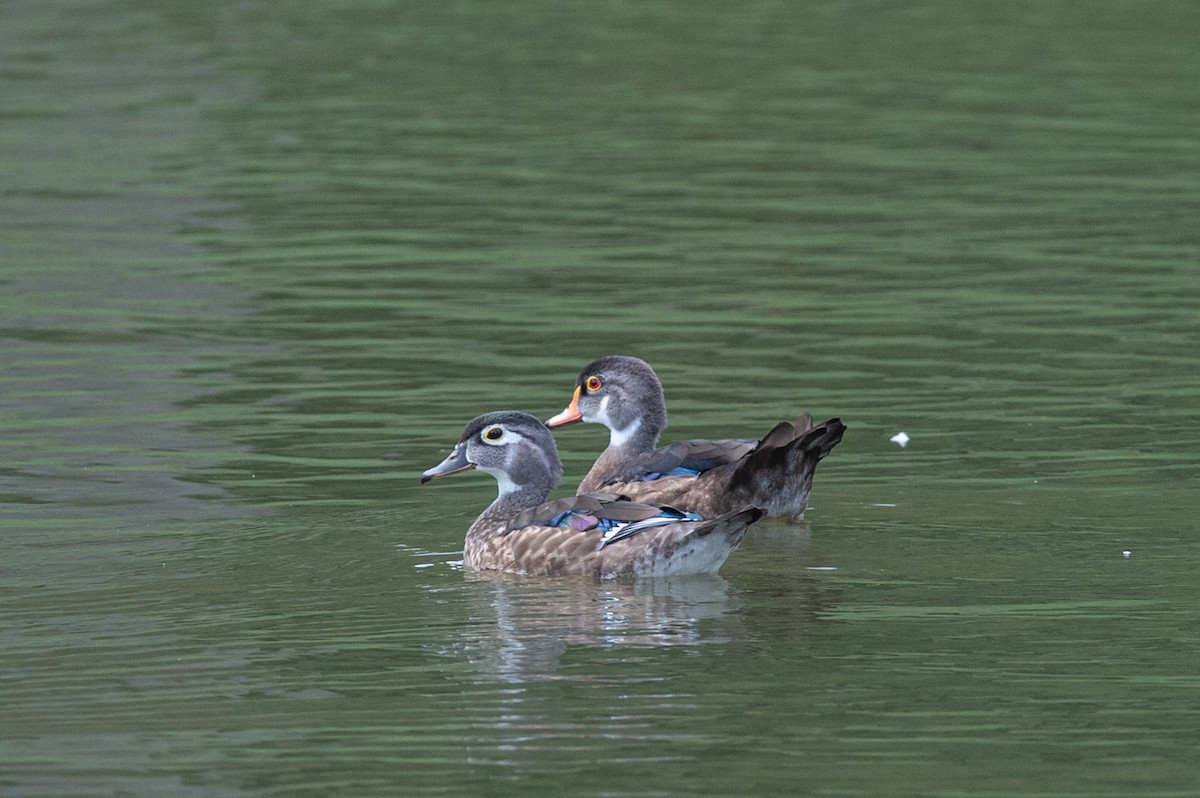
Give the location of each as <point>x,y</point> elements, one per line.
<point>883,504</point>
<point>821,568</point>
<point>901,438</point>
<point>425,565</point>
<point>1126,553</point>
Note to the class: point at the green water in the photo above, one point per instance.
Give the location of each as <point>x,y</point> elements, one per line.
<point>259,262</point>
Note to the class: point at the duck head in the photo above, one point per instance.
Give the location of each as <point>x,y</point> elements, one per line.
<point>515,448</point>
<point>621,392</point>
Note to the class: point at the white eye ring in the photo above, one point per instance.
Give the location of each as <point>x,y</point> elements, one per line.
<point>492,435</point>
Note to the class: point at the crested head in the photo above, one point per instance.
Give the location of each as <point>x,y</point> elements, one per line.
<point>514,447</point>
<point>634,368</point>
<point>624,394</point>
<point>510,419</point>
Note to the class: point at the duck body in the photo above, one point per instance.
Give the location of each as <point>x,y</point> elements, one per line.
<point>587,541</point>
<point>599,535</point>
<point>774,473</point>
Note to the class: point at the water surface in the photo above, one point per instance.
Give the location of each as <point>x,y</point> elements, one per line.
<point>260,265</point>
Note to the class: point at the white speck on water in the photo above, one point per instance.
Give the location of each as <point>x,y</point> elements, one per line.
<point>1126,553</point>
<point>883,504</point>
<point>425,565</point>
<point>901,438</point>
<point>821,568</point>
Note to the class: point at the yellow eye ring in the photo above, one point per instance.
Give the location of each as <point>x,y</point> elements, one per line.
<point>493,433</point>
<point>593,384</point>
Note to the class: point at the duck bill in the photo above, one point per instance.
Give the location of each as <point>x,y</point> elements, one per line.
<point>570,415</point>
<point>453,464</point>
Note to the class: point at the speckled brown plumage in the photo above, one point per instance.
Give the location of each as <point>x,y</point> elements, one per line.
<point>679,548</point>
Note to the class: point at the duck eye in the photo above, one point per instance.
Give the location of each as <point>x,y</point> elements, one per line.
<point>493,433</point>
<point>593,383</point>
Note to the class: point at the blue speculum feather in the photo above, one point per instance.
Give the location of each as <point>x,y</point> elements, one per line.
<point>618,530</point>
<point>581,522</point>
<point>674,472</point>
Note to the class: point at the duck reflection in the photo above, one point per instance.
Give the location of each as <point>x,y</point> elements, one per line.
<point>519,628</point>
<point>556,664</point>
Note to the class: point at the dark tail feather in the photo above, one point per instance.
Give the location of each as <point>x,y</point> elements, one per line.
<point>784,433</point>
<point>732,525</point>
<point>822,438</point>
<point>777,475</point>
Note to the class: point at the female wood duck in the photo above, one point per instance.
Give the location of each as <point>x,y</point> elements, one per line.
<point>709,477</point>
<point>602,535</point>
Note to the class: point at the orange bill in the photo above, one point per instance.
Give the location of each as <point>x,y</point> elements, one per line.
<point>570,415</point>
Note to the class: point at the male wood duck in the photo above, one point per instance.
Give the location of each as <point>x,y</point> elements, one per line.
<point>709,477</point>
<point>604,535</point>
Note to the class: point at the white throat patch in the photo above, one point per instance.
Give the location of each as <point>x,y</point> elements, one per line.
<point>618,438</point>
<point>503,481</point>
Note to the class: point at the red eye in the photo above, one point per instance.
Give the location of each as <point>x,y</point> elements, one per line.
<point>593,384</point>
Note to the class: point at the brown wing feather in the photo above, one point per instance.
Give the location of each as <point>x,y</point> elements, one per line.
<point>610,506</point>
<point>695,455</point>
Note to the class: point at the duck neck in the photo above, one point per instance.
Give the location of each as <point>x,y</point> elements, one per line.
<point>507,506</point>
<point>639,436</point>
<point>496,517</point>
<point>521,497</point>
<point>635,439</point>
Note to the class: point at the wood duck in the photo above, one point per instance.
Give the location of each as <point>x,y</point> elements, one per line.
<point>604,535</point>
<point>709,477</point>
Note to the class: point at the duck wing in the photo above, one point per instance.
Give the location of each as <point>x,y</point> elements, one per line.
<point>685,458</point>
<point>616,517</point>
<point>585,512</point>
